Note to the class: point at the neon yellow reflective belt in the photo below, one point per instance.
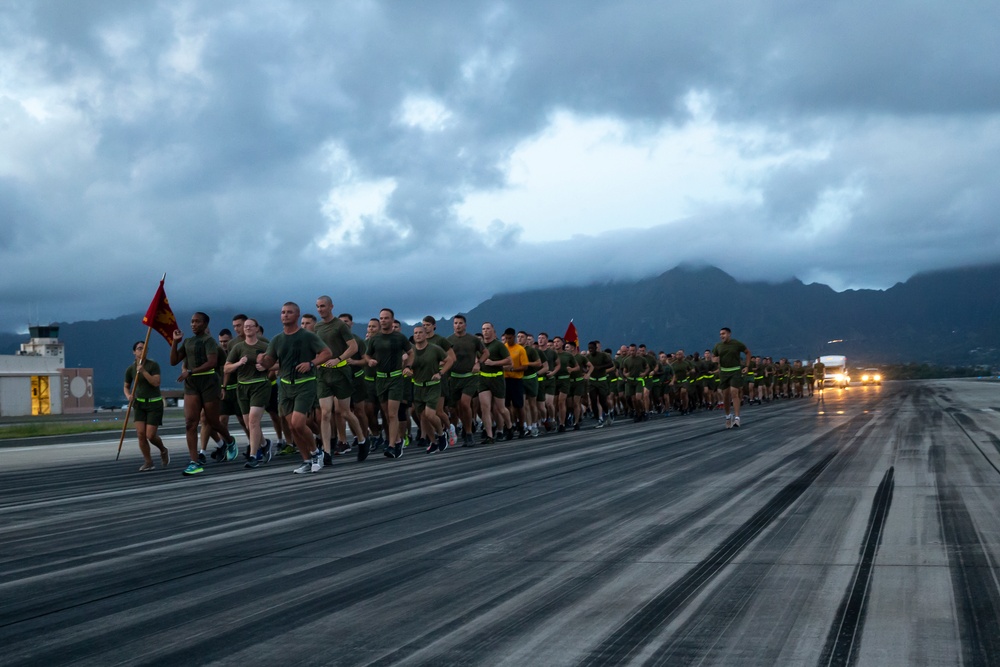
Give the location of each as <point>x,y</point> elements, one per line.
<point>391,374</point>
<point>258,380</point>
<point>149,400</point>
<point>299,381</point>
<point>491,375</point>
<point>203,373</point>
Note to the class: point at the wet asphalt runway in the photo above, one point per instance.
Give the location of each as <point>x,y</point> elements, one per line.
<point>863,530</point>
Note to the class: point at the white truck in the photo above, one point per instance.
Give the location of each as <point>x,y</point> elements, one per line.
<point>835,373</point>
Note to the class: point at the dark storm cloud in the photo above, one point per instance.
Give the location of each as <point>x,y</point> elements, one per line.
<point>208,140</point>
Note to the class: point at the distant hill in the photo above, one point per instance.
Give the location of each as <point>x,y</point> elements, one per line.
<point>942,317</point>
<point>946,317</point>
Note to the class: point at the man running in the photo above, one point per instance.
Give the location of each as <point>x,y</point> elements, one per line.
<point>200,354</point>
<point>728,349</point>
<point>297,352</point>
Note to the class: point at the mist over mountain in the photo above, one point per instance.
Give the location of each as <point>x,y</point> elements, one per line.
<point>946,317</point>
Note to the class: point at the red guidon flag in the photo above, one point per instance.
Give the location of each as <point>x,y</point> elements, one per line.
<point>159,317</point>
<point>571,335</point>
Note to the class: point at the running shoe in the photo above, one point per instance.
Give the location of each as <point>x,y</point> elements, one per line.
<point>508,434</point>
<point>452,438</point>
<point>729,421</point>
<point>254,462</point>
<point>736,421</point>
<point>467,440</point>
<point>489,441</point>
<point>201,458</point>
<point>317,460</point>
<point>232,450</point>
<point>165,458</point>
<point>219,454</point>
<point>443,443</point>
<point>193,468</point>
<point>600,423</point>
<point>146,467</point>
<point>388,453</point>
<point>267,451</point>
<point>398,450</point>
<point>363,450</point>
<point>327,459</point>
<point>433,446</point>
<point>304,468</point>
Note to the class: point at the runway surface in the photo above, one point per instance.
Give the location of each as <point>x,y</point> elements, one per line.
<point>861,530</point>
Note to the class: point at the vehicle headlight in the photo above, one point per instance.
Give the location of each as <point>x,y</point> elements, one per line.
<point>878,378</point>
<point>864,378</point>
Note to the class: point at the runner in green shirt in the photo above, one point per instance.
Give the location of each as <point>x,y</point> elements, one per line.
<point>731,370</point>
<point>142,389</point>
<point>297,352</point>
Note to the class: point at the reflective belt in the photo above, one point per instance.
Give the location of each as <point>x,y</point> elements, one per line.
<point>530,377</point>
<point>491,375</point>
<point>600,379</point>
<point>203,373</point>
<point>390,374</point>
<point>562,377</point>
<point>730,370</point>
<point>343,362</point>
<point>429,383</point>
<point>252,381</point>
<point>359,373</point>
<point>149,400</point>
<point>461,375</point>
<point>299,381</point>
<point>231,386</point>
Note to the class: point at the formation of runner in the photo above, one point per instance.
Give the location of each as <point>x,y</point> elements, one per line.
<point>317,378</point>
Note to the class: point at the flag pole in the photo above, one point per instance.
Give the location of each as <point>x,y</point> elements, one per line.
<point>128,412</point>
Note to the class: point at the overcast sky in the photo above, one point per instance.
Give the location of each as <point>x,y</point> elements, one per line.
<point>426,155</point>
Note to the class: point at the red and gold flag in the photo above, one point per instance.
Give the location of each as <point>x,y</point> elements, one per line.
<point>159,317</point>
<point>571,335</point>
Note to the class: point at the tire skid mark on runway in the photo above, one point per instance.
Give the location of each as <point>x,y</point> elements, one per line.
<point>297,541</point>
<point>638,631</point>
<point>977,596</point>
<point>696,639</point>
<point>562,596</point>
<point>310,603</point>
<point>845,633</point>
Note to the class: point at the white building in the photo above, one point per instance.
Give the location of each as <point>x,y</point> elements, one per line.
<point>35,381</point>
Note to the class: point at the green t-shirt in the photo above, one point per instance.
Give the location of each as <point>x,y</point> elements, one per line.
<point>142,387</point>
<point>566,361</point>
<point>682,369</point>
<point>387,350</point>
<point>468,349</point>
<point>197,350</point>
<point>635,366</point>
<point>247,372</point>
<point>729,354</point>
<point>581,363</point>
<point>550,357</point>
<point>335,334</point>
<point>427,362</point>
<point>497,352</point>
<point>440,341</point>
<point>292,349</point>
<point>533,356</point>
<point>602,363</point>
